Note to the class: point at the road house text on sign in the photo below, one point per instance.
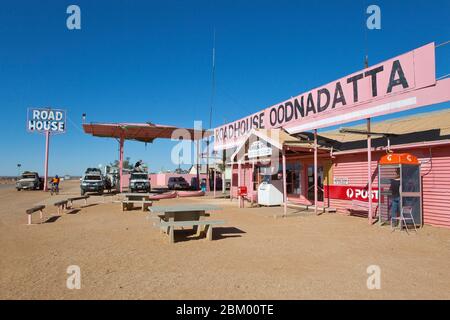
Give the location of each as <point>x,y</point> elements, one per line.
<point>42,120</point>
<point>373,91</point>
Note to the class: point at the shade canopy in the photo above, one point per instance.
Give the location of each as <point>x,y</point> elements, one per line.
<point>144,132</point>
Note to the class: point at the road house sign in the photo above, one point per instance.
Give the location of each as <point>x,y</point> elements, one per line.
<point>388,87</point>
<point>43,120</point>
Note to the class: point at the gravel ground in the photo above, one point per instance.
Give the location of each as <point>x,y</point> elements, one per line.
<point>253,256</point>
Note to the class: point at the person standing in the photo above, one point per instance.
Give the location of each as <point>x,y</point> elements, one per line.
<point>395,194</point>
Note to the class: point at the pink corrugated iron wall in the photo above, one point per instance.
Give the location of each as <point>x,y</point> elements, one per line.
<point>354,168</point>
<point>161,179</point>
<point>435,171</point>
<point>246,179</point>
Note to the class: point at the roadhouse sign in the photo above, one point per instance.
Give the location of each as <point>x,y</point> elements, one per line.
<point>42,120</point>
<point>344,100</point>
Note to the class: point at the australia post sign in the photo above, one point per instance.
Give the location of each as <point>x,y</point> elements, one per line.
<point>43,120</point>
<point>350,193</point>
<point>391,86</point>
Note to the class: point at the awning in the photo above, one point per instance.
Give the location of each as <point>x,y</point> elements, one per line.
<point>144,132</point>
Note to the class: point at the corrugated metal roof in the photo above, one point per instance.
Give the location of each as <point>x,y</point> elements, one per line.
<point>145,132</point>
<point>437,120</point>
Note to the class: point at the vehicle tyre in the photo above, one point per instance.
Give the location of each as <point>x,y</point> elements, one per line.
<point>18,189</point>
<point>82,192</point>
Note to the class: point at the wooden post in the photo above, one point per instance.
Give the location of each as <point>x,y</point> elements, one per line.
<point>231,181</point>
<point>214,177</point>
<point>284,183</point>
<point>315,172</point>
<point>239,183</point>
<point>369,170</point>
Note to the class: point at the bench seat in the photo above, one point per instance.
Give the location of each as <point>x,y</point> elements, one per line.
<point>71,200</point>
<point>61,205</point>
<point>32,210</point>
<point>128,204</point>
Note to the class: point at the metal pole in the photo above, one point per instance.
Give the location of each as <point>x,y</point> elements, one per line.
<point>284,182</point>
<point>369,170</point>
<point>47,146</point>
<point>121,142</point>
<point>315,171</point>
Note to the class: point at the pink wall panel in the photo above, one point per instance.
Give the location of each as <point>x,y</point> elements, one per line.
<point>435,171</point>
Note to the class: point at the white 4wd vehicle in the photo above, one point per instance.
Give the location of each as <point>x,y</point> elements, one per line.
<point>92,182</point>
<point>139,181</point>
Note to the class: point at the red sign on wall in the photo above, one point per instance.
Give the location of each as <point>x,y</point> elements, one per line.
<point>350,193</point>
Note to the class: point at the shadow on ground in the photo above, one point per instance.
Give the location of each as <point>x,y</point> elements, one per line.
<point>219,233</point>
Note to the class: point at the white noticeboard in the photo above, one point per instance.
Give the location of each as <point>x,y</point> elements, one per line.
<point>259,149</point>
<point>343,181</point>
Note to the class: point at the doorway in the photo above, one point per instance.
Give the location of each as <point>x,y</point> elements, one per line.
<point>311,182</point>
<point>294,178</point>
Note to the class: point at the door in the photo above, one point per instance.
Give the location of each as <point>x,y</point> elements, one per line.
<point>311,182</point>
<point>293,178</point>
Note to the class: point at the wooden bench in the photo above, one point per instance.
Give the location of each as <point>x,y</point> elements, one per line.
<point>61,205</point>
<point>71,200</point>
<point>129,204</point>
<point>170,225</point>
<point>33,210</point>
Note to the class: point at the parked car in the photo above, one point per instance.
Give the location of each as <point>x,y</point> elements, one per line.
<point>177,183</point>
<point>30,181</point>
<point>93,171</point>
<point>92,182</point>
<point>139,182</point>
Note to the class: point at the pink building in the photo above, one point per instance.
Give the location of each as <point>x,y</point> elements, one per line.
<point>342,164</point>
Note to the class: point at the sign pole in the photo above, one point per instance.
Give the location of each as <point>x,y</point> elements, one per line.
<point>47,145</point>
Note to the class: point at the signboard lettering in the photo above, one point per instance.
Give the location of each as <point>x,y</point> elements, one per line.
<point>360,95</point>
<point>42,120</point>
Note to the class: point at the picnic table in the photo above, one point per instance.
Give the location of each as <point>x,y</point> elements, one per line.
<point>184,216</point>
<point>136,198</point>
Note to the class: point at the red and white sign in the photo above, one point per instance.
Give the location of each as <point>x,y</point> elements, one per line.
<point>350,193</point>
<point>404,82</point>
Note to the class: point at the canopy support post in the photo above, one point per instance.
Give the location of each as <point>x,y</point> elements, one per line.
<point>369,170</point>
<point>239,183</point>
<point>121,142</point>
<point>283,155</point>
<point>197,162</point>
<point>214,177</point>
<point>315,172</point>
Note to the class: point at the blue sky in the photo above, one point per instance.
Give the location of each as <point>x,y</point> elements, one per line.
<point>139,61</point>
